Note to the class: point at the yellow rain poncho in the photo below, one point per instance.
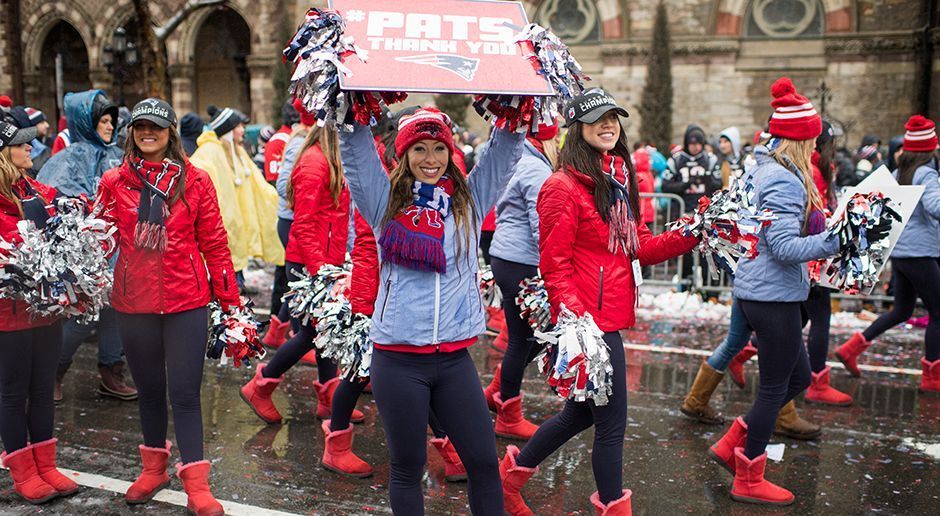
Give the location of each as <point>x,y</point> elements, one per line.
<point>247,202</point>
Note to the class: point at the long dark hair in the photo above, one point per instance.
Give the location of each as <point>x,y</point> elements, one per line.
<point>827,154</point>
<point>174,153</point>
<point>909,162</point>
<point>577,154</point>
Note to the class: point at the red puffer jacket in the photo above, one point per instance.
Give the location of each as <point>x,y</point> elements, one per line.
<point>13,313</point>
<point>321,226</point>
<point>149,282</point>
<point>364,284</point>
<point>577,268</point>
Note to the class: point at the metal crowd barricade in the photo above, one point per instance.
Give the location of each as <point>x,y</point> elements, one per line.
<point>668,207</point>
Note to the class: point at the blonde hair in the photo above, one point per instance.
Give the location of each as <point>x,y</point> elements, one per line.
<point>799,153</point>
<point>10,174</point>
<point>328,140</point>
<point>551,148</point>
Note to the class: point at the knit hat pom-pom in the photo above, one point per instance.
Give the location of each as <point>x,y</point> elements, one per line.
<point>783,86</point>
<point>212,110</point>
<point>918,122</point>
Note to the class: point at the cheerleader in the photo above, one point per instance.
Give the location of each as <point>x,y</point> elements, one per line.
<point>174,259</point>
<point>30,345</point>
<point>772,287</point>
<point>320,199</point>
<point>514,256</point>
<point>591,243</point>
<point>914,258</point>
<point>428,310</point>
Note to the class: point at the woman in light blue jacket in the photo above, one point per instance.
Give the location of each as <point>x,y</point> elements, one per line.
<point>514,256</point>
<point>914,258</point>
<point>771,288</point>
<point>427,219</point>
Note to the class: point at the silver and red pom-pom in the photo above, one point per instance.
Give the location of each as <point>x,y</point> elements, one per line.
<point>343,336</point>
<point>489,291</point>
<point>863,242</point>
<point>317,50</point>
<point>576,359</point>
<point>234,334</point>
<point>533,304</point>
<point>308,293</point>
<point>61,270</point>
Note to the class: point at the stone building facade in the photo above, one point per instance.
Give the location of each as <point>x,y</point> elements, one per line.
<point>726,53</point>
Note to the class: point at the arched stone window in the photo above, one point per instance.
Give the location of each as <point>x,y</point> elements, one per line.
<point>784,19</point>
<point>574,21</point>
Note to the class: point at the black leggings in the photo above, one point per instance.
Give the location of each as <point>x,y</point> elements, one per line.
<point>818,311</point>
<point>521,345</point>
<point>913,277</point>
<point>298,346</point>
<point>280,272</point>
<point>610,422</point>
<point>783,363</point>
<point>486,239</point>
<point>168,351</point>
<point>407,387</point>
<point>28,361</point>
<point>344,401</point>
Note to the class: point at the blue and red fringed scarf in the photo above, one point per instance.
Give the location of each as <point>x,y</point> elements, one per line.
<point>158,181</point>
<point>415,237</point>
<point>621,219</point>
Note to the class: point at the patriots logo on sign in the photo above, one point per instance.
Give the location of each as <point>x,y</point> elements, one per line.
<point>464,67</point>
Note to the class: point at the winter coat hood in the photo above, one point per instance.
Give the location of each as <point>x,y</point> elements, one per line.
<point>734,136</point>
<point>78,168</point>
<point>696,132</point>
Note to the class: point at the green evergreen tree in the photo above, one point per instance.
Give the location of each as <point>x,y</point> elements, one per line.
<point>656,104</point>
<point>280,76</point>
<point>454,105</point>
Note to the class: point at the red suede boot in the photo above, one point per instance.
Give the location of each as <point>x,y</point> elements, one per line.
<point>26,480</point>
<point>849,352</point>
<point>749,483</point>
<point>195,477</point>
<point>509,420</point>
<point>501,342</point>
<point>820,392</point>
<point>453,466</point>
<point>257,394</point>
<point>723,451</point>
<point>496,320</point>
<point>277,333</point>
<point>310,358</point>
<point>514,477</point>
<point>338,455</point>
<point>153,476</point>
<point>930,379</point>
<point>44,453</point>
<point>493,388</point>
<point>325,401</point>
<point>736,367</point>
<point>618,507</point>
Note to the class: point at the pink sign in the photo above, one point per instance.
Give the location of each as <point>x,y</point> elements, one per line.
<point>438,46</point>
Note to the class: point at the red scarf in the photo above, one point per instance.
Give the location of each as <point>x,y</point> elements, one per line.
<point>414,238</point>
<point>158,181</point>
<point>621,220</point>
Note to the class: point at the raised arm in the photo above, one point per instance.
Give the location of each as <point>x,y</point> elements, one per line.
<point>368,183</point>
<point>494,168</point>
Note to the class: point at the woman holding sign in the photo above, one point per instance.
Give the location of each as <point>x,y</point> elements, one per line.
<point>914,258</point>
<point>772,287</point>
<point>174,259</point>
<point>592,246</point>
<point>428,310</point>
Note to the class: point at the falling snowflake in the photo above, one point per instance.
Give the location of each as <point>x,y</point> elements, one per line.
<point>355,15</point>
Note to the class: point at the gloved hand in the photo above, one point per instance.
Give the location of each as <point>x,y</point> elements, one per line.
<point>880,230</point>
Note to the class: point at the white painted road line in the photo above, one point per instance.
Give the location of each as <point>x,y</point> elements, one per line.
<point>166,495</point>
<point>704,353</point>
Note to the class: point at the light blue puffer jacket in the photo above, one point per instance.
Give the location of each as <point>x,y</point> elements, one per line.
<point>78,168</point>
<point>779,273</point>
<point>426,308</point>
<point>517,222</point>
<point>921,236</point>
<point>291,151</point>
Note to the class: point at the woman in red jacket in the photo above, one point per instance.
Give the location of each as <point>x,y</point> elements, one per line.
<point>174,259</point>
<point>320,199</point>
<point>29,346</point>
<point>591,243</point>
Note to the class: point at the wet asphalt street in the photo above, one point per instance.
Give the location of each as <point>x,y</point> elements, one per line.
<point>880,456</point>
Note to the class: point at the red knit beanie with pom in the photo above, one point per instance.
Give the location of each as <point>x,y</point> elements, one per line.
<point>6,102</point>
<point>794,117</point>
<point>424,124</point>
<point>307,118</point>
<point>920,135</point>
